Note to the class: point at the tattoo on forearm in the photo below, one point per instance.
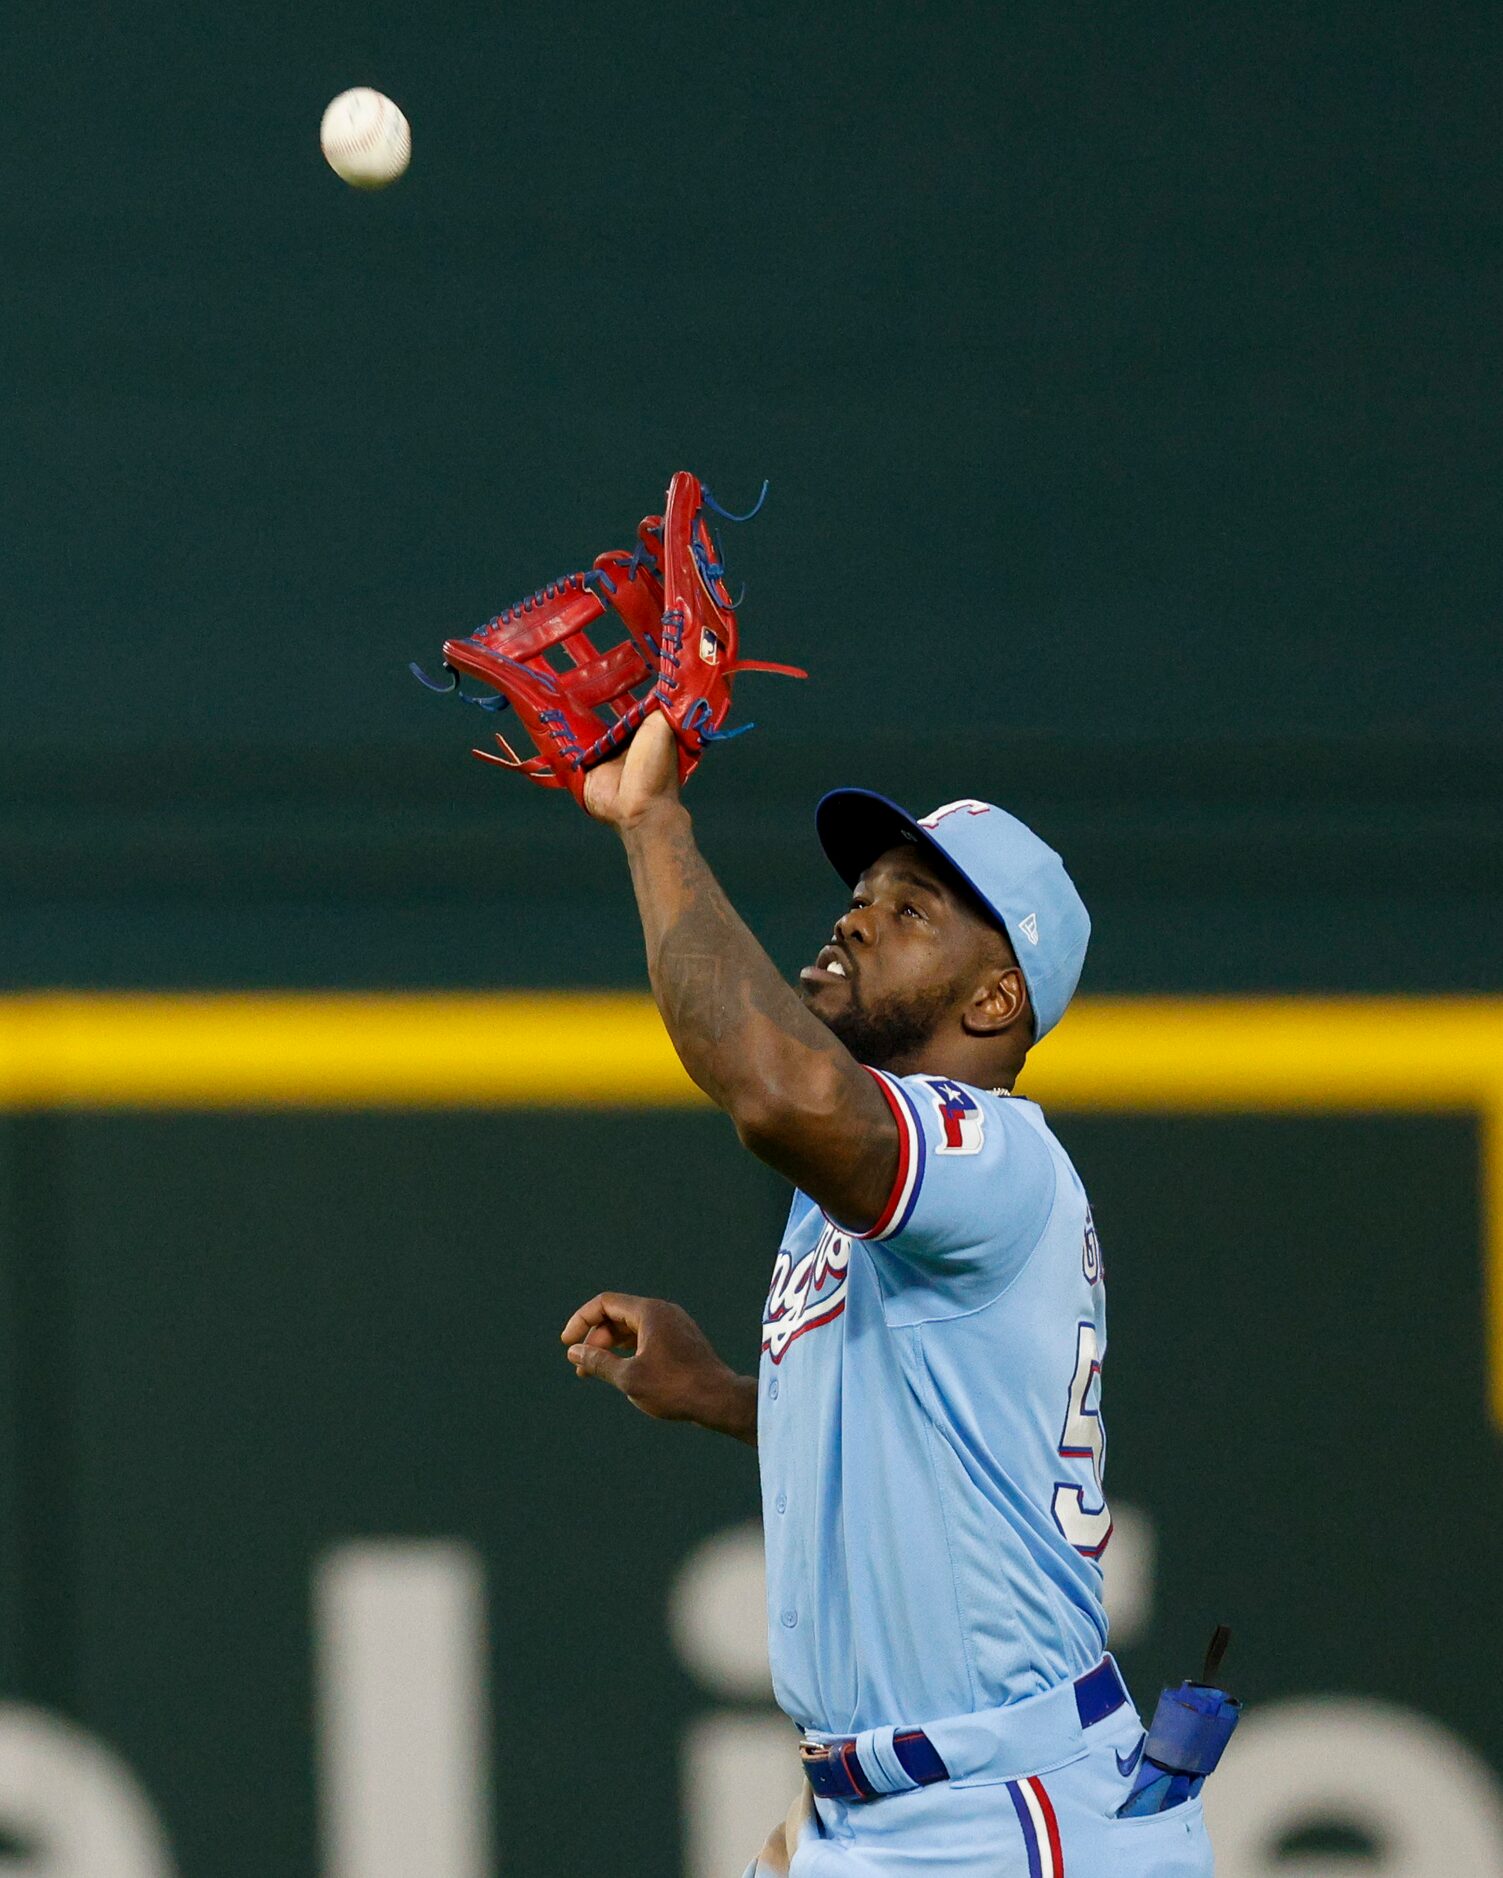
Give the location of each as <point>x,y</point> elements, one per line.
<point>721,996</point>
<point>745,1036</point>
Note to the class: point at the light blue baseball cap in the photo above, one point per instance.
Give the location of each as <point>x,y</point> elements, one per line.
<point>1018,879</point>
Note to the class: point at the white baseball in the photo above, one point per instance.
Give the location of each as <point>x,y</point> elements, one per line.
<point>366,138</point>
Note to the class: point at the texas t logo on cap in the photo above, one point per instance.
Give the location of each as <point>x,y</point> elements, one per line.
<point>1029,928</point>
<point>968,803</point>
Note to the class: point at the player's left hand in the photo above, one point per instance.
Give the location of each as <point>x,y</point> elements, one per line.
<point>644,777</point>
<point>660,1360</point>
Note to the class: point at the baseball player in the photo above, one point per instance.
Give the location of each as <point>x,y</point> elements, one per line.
<point>928,1407</point>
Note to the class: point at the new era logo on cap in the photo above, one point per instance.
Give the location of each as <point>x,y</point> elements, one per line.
<point>1029,927</point>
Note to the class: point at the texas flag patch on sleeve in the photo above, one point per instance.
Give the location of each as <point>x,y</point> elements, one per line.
<point>973,1186</point>
<point>962,1123</point>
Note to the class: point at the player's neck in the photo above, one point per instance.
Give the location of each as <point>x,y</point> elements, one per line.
<point>955,1065</point>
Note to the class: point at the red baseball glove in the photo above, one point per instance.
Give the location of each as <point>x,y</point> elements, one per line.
<point>580,705</point>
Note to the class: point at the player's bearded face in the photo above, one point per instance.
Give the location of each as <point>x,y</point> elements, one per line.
<point>887,1030</point>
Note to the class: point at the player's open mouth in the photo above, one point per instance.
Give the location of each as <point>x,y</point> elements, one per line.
<point>830,966</point>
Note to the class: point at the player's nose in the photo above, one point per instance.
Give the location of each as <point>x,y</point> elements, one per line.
<point>854,927</point>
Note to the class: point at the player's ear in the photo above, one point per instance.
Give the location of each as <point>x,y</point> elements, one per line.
<point>997,1003</point>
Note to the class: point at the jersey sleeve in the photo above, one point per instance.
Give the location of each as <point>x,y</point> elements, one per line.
<point>974,1187</point>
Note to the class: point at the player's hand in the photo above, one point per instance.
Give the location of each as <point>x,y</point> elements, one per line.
<point>644,777</point>
<point>661,1361</point>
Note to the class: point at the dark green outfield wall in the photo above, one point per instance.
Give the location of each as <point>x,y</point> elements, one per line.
<point>1127,325</point>
<point>1126,379</point>
<point>1157,349</point>
<point>272,1336</point>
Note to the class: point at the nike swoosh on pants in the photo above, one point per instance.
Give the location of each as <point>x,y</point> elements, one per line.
<point>1127,1762</point>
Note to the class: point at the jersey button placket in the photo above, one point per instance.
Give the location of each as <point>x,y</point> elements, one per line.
<point>790,1620</point>
<point>781,1502</point>
<point>772,1390</point>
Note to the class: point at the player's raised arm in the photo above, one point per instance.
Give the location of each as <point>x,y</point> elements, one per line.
<point>799,1098</point>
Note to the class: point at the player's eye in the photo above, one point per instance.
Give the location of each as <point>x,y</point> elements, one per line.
<point>916,912</point>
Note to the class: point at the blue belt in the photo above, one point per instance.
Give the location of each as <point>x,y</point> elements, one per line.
<point>834,1768</point>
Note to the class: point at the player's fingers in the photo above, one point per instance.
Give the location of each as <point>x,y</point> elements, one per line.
<point>606,1336</point>
<point>585,1318</point>
<point>601,787</point>
<point>618,1307</point>
<point>623,1308</point>
<point>590,1361</point>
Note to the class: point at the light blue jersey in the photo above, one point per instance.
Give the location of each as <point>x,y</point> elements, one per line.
<point>930,1431</point>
